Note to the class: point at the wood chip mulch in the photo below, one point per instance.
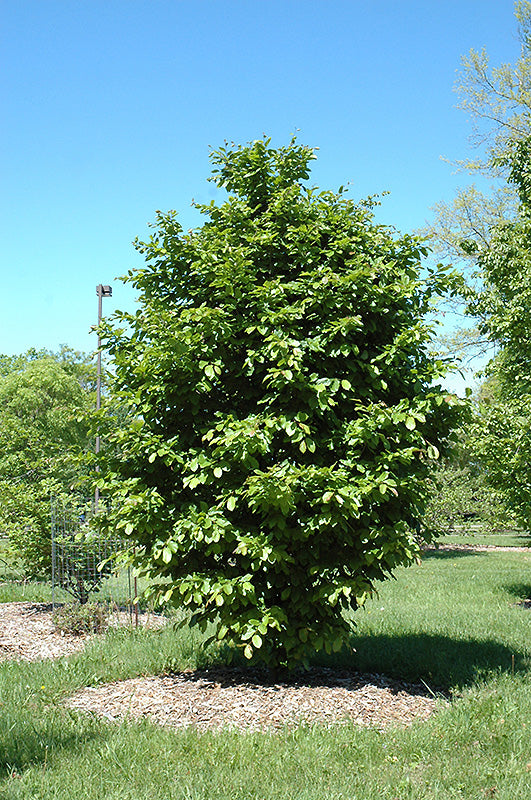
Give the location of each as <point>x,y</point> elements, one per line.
<point>27,632</point>
<point>478,548</point>
<point>220,697</point>
<point>224,698</point>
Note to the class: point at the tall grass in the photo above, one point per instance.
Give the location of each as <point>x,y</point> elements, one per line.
<point>452,622</point>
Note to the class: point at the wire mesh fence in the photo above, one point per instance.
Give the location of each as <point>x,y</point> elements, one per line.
<point>84,563</point>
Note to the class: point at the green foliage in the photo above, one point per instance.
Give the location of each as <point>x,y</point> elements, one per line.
<point>501,441</point>
<point>461,496</point>
<point>81,366</point>
<point>505,297</point>
<point>497,99</point>
<point>493,234</point>
<point>503,303</point>
<point>461,228</point>
<point>282,404</point>
<point>78,619</point>
<point>460,492</point>
<point>40,440</point>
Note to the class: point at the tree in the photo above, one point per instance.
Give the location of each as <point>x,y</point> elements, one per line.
<point>498,100</point>
<point>501,439</point>
<point>488,235</point>
<point>503,302</point>
<point>503,435</point>
<point>41,438</point>
<point>461,494</point>
<point>282,404</point>
<point>79,365</point>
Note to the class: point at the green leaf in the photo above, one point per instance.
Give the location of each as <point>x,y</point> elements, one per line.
<point>410,423</point>
<point>432,452</point>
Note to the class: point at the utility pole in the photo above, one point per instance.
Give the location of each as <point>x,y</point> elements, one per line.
<point>101,291</point>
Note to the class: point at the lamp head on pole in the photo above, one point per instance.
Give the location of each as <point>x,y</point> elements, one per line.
<point>103,291</point>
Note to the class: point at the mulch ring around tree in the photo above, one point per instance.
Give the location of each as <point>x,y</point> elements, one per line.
<point>27,632</point>
<point>220,697</point>
<point>246,700</point>
<point>477,548</point>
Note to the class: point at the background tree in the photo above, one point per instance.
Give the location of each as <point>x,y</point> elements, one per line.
<point>461,494</point>
<point>503,434</point>
<point>81,366</point>
<point>479,230</point>
<point>283,412</point>
<point>498,100</point>
<point>41,438</point>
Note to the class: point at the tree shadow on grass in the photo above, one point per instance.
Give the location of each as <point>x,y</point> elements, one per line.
<point>440,662</point>
<point>25,744</point>
<point>457,553</point>
<point>521,591</point>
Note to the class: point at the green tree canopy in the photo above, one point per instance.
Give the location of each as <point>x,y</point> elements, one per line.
<point>503,302</point>
<point>283,406</point>
<point>502,435</point>
<point>41,438</point>
<point>498,101</point>
<point>81,366</point>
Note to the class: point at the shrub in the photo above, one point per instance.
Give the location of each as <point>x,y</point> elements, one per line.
<point>78,619</point>
<point>283,407</point>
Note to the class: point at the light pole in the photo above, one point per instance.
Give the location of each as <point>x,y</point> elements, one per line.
<point>101,291</point>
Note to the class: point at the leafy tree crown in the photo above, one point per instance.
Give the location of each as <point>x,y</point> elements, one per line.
<point>283,406</point>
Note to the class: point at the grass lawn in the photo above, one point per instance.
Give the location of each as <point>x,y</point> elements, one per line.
<point>473,538</point>
<point>452,622</point>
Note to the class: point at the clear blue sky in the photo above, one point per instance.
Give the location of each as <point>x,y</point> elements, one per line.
<point>109,109</point>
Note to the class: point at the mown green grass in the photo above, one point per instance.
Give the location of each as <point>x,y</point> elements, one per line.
<point>473,538</point>
<point>18,590</point>
<point>24,591</point>
<point>452,622</point>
